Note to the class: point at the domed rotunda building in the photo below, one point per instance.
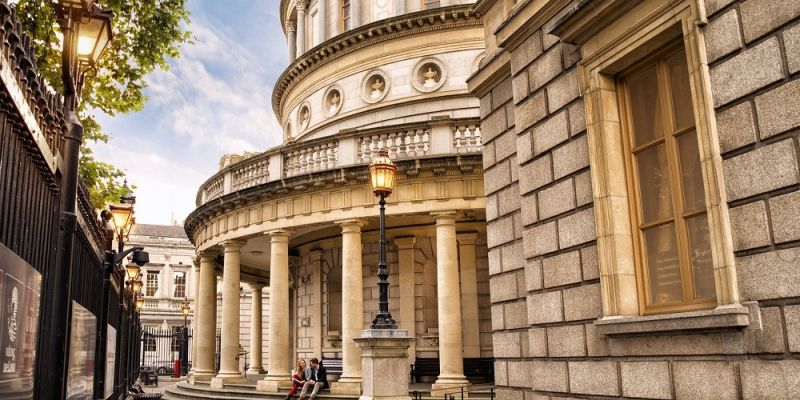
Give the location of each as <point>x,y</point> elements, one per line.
<point>301,220</point>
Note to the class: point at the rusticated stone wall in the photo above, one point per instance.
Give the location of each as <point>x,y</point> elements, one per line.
<point>544,269</point>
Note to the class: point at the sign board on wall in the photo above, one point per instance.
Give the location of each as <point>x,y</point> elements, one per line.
<point>82,338</point>
<point>111,357</point>
<point>20,285</point>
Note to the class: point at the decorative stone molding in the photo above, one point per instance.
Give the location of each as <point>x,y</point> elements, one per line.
<point>374,86</point>
<point>332,100</point>
<point>315,196</point>
<point>380,31</point>
<point>428,75</point>
<point>303,116</point>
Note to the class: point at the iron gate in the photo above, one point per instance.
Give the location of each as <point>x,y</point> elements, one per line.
<point>159,348</point>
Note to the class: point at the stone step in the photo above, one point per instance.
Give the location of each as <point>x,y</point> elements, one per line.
<point>247,391</point>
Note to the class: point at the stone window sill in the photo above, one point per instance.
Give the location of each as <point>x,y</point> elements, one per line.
<point>731,317</point>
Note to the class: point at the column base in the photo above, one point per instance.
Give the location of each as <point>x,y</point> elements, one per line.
<point>274,384</point>
<point>219,381</point>
<point>384,364</point>
<point>201,376</point>
<point>450,385</point>
<point>346,386</point>
<point>256,371</point>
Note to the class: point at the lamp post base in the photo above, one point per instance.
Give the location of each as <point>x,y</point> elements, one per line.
<point>384,358</point>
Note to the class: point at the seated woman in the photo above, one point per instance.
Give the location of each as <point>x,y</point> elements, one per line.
<point>298,378</point>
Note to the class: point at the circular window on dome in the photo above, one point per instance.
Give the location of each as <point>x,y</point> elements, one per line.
<point>303,117</point>
<point>332,100</point>
<point>374,87</point>
<point>429,75</point>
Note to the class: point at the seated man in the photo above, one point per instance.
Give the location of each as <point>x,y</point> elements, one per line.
<point>315,378</point>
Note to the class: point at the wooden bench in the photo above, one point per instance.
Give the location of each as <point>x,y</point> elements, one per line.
<point>424,367</point>
<point>333,366</point>
<point>479,368</point>
<point>473,368</point>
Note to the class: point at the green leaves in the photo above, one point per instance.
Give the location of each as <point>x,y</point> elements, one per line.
<point>147,33</point>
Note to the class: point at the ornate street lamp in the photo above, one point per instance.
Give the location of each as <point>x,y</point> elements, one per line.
<point>137,287</point>
<point>185,311</point>
<point>139,302</point>
<point>382,173</point>
<point>72,16</point>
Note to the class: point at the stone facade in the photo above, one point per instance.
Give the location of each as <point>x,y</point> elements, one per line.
<point>556,331</point>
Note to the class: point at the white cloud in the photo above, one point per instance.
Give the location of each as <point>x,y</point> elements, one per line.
<point>217,95</point>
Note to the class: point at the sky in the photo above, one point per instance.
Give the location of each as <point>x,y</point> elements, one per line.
<point>215,99</point>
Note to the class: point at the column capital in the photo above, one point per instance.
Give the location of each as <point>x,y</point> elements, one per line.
<point>291,26</point>
<point>445,217</point>
<point>256,286</point>
<point>302,5</point>
<point>404,243</point>
<point>351,225</point>
<point>315,255</point>
<point>233,245</point>
<point>207,255</point>
<point>279,235</point>
<point>467,238</point>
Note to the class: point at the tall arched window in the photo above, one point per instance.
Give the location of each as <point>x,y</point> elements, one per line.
<point>345,22</point>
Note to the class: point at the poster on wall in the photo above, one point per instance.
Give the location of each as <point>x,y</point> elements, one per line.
<point>111,357</point>
<point>20,285</point>
<point>80,370</point>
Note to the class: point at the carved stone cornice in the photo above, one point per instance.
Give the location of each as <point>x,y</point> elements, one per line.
<point>446,165</point>
<point>367,35</point>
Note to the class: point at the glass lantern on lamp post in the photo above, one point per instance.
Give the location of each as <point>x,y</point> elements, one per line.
<point>382,174</point>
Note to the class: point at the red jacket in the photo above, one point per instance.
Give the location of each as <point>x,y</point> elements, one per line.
<point>297,382</point>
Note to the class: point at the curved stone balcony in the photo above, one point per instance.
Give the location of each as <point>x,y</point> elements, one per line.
<point>309,166</point>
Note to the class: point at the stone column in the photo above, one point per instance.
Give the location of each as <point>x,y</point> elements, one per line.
<point>206,333</point>
<point>291,39</point>
<point>470,321</point>
<point>256,358</point>
<point>302,6</point>
<point>336,17</point>
<point>407,320</point>
<point>322,20</point>
<point>352,308</point>
<point>316,302</point>
<point>278,370</point>
<point>196,283</point>
<point>451,362</point>
<point>229,344</point>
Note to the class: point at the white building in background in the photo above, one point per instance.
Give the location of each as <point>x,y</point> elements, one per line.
<point>170,278</point>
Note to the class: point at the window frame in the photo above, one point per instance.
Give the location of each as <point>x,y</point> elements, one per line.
<point>678,214</point>
<point>344,11</point>
<point>609,46</point>
<point>147,284</point>
<point>175,284</point>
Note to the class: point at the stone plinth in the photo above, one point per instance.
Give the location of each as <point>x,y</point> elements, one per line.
<point>273,385</point>
<point>219,382</point>
<point>384,364</point>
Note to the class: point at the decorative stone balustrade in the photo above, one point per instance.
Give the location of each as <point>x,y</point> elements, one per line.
<point>402,144</point>
<point>467,138</point>
<point>436,138</point>
<point>214,189</point>
<point>251,172</point>
<point>315,157</point>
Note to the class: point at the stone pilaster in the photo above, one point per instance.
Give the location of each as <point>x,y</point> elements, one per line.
<point>256,358</point>
<point>278,370</point>
<point>229,343</point>
<point>451,370</point>
<point>407,318</point>
<point>352,308</point>
<point>470,321</point>
<point>322,20</point>
<point>206,333</point>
